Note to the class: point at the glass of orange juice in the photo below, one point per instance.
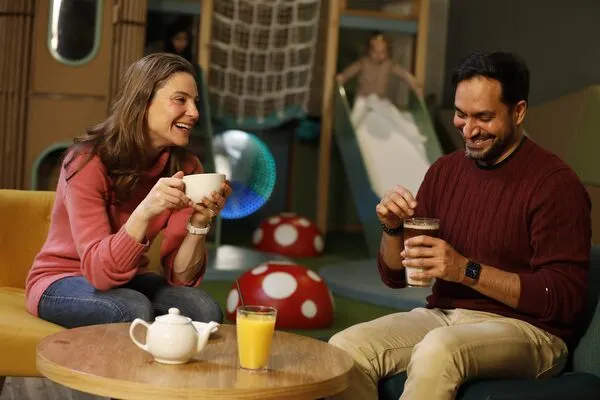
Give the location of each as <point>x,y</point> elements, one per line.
<point>255,327</point>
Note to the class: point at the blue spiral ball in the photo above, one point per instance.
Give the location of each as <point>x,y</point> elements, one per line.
<point>250,167</point>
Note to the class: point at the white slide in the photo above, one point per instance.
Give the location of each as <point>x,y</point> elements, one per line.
<point>391,145</point>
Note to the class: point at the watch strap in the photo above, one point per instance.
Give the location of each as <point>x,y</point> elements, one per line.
<point>197,231</point>
<point>391,231</point>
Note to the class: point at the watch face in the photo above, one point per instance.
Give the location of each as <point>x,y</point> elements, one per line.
<point>473,270</point>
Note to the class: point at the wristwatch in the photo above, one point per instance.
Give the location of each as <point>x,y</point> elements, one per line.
<point>391,231</point>
<point>197,231</point>
<point>472,271</point>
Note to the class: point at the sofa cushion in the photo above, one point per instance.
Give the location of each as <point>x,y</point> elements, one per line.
<point>20,332</point>
<point>586,357</point>
<point>25,217</point>
<point>575,385</point>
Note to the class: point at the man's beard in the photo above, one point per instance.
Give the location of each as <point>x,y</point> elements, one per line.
<point>493,153</point>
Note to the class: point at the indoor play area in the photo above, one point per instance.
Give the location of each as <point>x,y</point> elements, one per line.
<point>259,66</point>
<point>308,147</point>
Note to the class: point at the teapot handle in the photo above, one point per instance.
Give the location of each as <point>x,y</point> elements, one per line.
<point>138,321</point>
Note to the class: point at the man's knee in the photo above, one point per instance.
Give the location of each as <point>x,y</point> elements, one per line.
<point>345,339</point>
<point>356,343</point>
<point>353,342</point>
<point>439,349</point>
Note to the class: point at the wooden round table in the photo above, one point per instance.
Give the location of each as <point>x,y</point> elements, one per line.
<point>102,360</point>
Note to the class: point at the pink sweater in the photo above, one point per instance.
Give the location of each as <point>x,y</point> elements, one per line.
<point>87,236</point>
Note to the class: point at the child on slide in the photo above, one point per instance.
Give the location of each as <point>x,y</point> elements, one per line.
<point>374,72</point>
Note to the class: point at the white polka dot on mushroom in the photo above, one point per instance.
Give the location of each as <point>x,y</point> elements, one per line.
<point>285,235</point>
<point>318,242</point>
<point>314,276</point>
<point>259,270</point>
<point>303,222</point>
<point>279,285</point>
<point>232,300</point>
<point>257,236</point>
<point>274,220</point>
<point>309,309</point>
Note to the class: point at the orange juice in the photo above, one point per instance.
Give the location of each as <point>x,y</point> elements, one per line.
<point>255,327</point>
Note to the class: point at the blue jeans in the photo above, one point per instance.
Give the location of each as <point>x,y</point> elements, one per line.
<point>72,302</point>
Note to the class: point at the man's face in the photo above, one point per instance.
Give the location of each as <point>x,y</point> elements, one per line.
<point>488,126</point>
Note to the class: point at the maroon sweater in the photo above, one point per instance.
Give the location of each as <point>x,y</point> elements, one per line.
<point>529,215</point>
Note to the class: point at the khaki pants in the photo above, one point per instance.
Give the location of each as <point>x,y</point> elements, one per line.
<point>441,349</point>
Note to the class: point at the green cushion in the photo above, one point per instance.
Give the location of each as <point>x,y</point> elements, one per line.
<point>575,385</point>
<point>586,357</point>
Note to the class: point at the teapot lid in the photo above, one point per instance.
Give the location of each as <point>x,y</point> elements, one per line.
<point>173,317</point>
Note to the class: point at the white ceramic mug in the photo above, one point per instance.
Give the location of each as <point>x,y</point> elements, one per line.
<point>198,186</point>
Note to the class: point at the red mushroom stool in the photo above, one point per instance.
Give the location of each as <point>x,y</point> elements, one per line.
<point>302,298</point>
<point>290,235</point>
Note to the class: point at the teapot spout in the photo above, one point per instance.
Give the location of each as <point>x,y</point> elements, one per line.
<point>211,326</point>
<point>204,335</point>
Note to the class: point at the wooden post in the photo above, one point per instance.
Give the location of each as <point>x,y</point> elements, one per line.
<point>331,54</point>
<point>422,39</point>
<point>205,37</point>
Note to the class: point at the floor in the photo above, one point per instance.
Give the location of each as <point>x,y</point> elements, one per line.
<point>40,389</point>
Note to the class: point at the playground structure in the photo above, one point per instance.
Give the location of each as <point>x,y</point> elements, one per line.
<point>47,98</point>
<point>416,23</point>
<point>261,61</point>
<point>61,92</point>
<point>56,98</point>
<point>377,151</point>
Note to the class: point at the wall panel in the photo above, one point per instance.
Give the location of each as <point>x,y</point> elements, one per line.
<point>15,43</point>
<point>52,76</point>
<point>55,119</point>
<point>64,99</point>
<point>129,33</point>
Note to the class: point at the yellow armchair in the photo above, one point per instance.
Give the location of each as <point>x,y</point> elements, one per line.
<point>24,222</point>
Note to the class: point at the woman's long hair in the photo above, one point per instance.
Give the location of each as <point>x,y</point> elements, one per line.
<point>121,141</point>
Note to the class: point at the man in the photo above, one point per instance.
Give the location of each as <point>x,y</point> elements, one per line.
<point>510,263</point>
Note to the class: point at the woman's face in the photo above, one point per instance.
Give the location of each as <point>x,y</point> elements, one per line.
<point>172,112</point>
<point>180,42</point>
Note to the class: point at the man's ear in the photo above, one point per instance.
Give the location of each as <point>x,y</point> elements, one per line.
<point>519,112</point>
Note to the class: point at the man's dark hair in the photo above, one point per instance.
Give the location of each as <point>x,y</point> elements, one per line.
<point>506,68</point>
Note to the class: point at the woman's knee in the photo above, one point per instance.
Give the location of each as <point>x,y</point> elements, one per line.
<point>81,308</point>
<point>128,304</point>
<point>192,302</point>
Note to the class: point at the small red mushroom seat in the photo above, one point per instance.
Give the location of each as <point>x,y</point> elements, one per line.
<point>290,235</point>
<point>302,298</point>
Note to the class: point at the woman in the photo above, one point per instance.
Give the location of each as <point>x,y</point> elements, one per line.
<point>119,186</point>
<point>178,39</point>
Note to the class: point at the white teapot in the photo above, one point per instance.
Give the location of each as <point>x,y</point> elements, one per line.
<point>173,338</point>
